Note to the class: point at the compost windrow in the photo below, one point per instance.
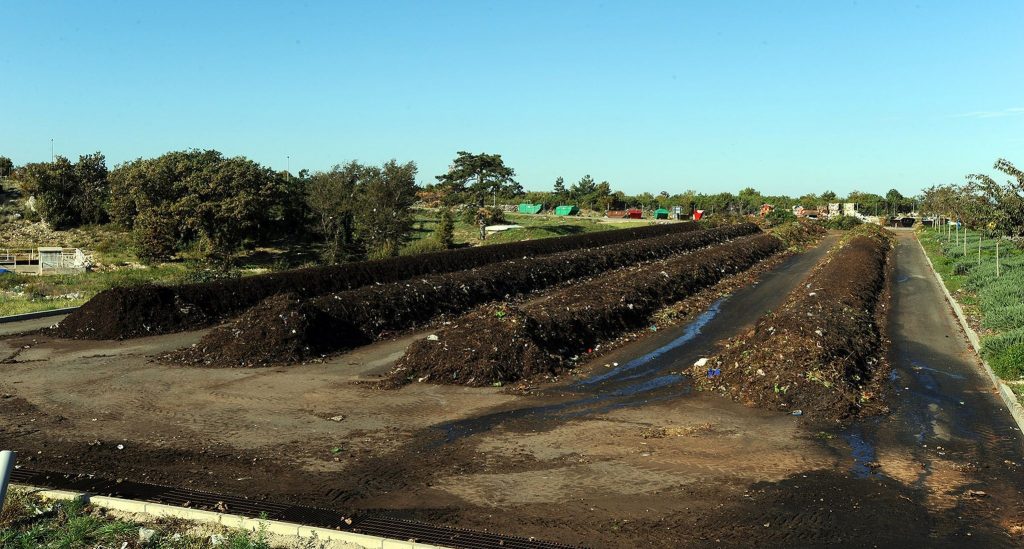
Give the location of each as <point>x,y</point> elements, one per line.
<point>505,342</point>
<point>821,354</point>
<point>343,320</point>
<point>146,310</point>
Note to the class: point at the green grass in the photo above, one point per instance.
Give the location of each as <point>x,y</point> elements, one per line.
<point>997,300</point>
<point>28,521</point>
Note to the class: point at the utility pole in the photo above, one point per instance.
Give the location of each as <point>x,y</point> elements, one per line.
<point>289,168</point>
<point>51,150</point>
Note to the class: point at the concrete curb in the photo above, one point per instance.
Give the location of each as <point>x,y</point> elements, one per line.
<point>1009,398</point>
<point>35,315</point>
<point>287,529</point>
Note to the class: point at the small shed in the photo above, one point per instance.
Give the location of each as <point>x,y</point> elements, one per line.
<point>567,210</point>
<point>661,213</point>
<point>530,208</point>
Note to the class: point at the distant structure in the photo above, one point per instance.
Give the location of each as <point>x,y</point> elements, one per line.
<point>45,260</point>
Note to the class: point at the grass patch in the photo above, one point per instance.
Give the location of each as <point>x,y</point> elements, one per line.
<point>28,521</point>
<point>997,300</point>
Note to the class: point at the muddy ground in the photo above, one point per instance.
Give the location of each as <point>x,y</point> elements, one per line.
<point>621,455</point>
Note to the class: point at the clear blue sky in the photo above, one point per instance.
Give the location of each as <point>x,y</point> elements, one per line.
<point>789,97</point>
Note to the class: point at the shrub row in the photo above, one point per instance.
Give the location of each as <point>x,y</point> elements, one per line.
<point>504,343</point>
<point>351,318</point>
<point>137,311</point>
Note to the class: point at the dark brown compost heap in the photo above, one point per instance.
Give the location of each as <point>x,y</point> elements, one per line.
<point>355,317</point>
<point>138,311</point>
<point>504,343</point>
<point>821,352</point>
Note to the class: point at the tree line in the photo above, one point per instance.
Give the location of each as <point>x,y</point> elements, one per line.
<point>214,206</point>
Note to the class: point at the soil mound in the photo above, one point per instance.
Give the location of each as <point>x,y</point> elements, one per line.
<point>274,331</point>
<point>356,317</point>
<point>821,352</point>
<point>504,343</point>
<point>148,310</point>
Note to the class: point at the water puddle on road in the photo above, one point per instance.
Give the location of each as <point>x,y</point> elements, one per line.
<point>863,452</point>
<point>640,381</point>
<point>692,330</point>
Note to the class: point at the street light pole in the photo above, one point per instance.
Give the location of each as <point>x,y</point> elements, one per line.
<point>51,150</point>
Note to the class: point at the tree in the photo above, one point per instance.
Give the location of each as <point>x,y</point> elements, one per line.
<point>582,188</point>
<point>829,197</point>
<point>214,202</point>
<point>384,218</point>
<point>479,176</point>
<point>93,187</point>
<point>446,229</point>
<point>559,189</point>
<point>57,192</point>
<point>6,167</point>
<point>1005,201</point>
<point>331,198</point>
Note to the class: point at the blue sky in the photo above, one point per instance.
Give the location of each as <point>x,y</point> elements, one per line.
<point>788,97</point>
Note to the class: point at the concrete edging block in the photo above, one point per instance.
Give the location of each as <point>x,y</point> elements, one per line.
<point>1005,393</point>
<point>326,534</point>
<point>275,527</point>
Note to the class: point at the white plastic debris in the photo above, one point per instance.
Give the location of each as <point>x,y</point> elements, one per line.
<point>701,363</point>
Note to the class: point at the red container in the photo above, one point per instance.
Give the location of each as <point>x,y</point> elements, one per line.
<point>634,213</point>
<point>697,214</point>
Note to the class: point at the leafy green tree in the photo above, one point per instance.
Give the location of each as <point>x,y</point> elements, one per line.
<point>480,175</point>
<point>57,193</point>
<point>6,167</point>
<point>332,201</point>
<point>1004,201</point>
<point>93,188</point>
<point>216,203</point>
<point>384,217</point>
<point>829,197</point>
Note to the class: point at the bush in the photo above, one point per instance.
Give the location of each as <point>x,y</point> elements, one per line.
<point>1005,318</point>
<point>1009,363</point>
<point>446,229</point>
<point>424,245</point>
<point>155,236</point>
<point>1001,292</point>
<point>842,222</point>
<point>998,344</point>
<point>779,216</point>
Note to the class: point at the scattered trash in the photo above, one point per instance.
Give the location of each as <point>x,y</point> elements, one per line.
<point>337,418</point>
<point>701,363</point>
<point>977,494</point>
<point>145,535</point>
<point>120,446</point>
<point>797,413</point>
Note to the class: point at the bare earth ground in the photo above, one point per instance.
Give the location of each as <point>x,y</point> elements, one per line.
<point>624,456</point>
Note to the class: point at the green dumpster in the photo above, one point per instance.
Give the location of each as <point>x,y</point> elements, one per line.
<point>530,208</point>
<point>661,213</point>
<point>567,210</point>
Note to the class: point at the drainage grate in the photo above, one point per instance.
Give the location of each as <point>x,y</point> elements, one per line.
<point>313,516</point>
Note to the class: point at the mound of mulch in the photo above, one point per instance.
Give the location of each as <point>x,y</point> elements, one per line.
<point>348,319</point>
<point>822,352</point>
<point>272,332</point>
<point>145,310</point>
<point>505,343</point>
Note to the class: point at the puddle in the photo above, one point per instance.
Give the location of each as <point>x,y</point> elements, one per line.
<point>863,452</point>
<point>692,330</point>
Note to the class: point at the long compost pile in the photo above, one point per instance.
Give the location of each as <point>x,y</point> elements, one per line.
<point>343,320</point>
<point>821,352</point>
<point>137,311</point>
<point>502,343</point>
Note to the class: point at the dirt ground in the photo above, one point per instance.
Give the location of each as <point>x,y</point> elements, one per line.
<point>624,455</point>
